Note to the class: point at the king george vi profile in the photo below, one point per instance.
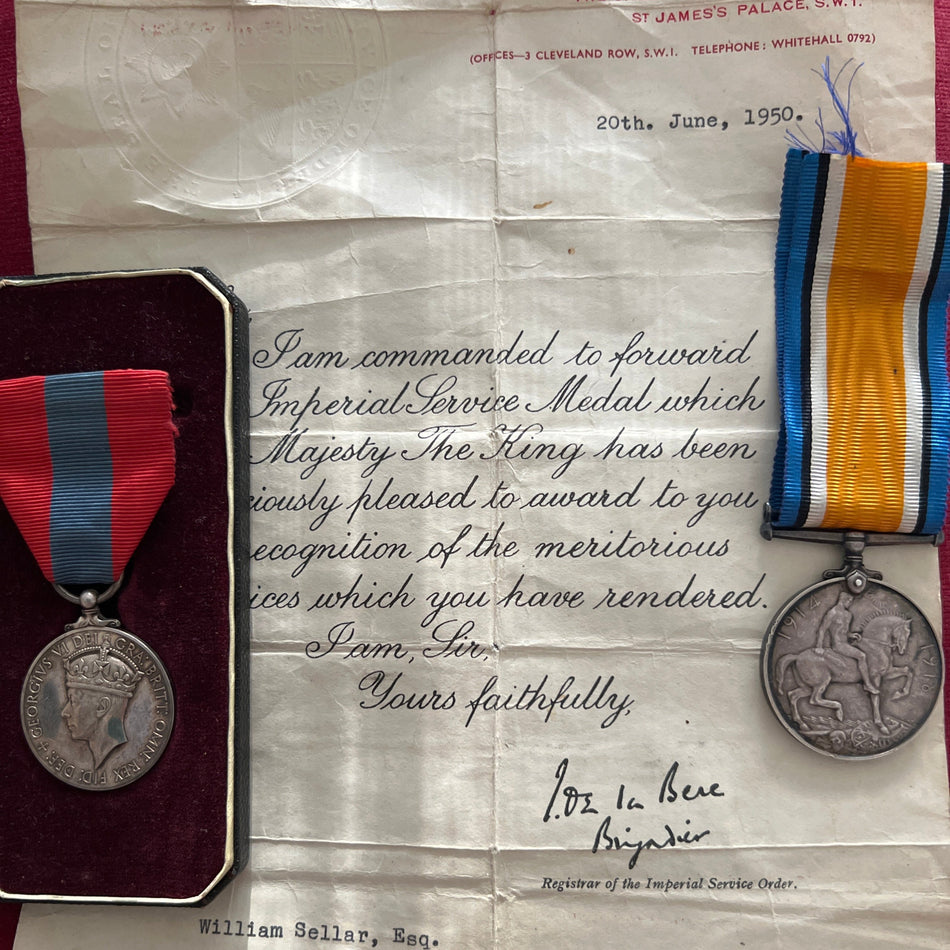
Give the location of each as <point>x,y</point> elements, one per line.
<point>99,684</point>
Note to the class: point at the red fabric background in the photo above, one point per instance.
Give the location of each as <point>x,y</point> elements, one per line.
<point>16,252</point>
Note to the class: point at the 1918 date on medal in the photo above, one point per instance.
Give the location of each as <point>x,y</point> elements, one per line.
<point>851,667</point>
<point>97,705</point>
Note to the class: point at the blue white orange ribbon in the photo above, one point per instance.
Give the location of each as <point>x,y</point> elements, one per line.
<point>86,459</point>
<point>862,281</point>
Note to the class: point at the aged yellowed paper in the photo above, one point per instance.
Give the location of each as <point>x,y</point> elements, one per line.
<point>513,408</point>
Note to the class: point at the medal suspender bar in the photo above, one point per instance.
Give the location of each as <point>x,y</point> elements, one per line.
<point>123,473</point>
<point>850,666</point>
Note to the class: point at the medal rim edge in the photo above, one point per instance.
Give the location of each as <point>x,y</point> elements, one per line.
<point>765,656</point>
<point>172,706</point>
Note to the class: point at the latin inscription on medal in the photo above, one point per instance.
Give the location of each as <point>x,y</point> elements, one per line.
<point>97,708</point>
<point>851,674</point>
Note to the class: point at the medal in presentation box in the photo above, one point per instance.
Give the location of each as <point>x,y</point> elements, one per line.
<point>123,537</point>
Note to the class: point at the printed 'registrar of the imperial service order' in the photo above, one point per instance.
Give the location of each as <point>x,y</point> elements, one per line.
<point>513,415</point>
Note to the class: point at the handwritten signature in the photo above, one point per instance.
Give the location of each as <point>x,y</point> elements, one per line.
<point>568,801</point>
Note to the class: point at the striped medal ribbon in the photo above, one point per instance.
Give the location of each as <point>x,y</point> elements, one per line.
<point>86,460</point>
<point>861,286</point>
<point>862,279</point>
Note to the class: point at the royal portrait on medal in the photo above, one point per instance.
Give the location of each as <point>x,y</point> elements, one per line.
<point>97,706</point>
<point>99,684</point>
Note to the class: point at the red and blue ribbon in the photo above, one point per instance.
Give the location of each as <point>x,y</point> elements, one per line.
<point>86,459</point>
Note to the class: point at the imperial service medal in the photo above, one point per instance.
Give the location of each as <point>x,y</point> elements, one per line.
<point>850,666</point>
<point>86,459</point>
<point>97,706</point>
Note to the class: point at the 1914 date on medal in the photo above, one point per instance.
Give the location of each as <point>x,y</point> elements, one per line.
<point>851,670</point>
<point>97,706</point>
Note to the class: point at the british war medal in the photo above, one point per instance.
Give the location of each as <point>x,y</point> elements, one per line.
<point>850,666</point>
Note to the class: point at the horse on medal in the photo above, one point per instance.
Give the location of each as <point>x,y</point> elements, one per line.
<point>815,669</point>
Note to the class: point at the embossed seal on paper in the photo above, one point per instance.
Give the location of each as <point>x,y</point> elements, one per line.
<point>97,707</point>
<point>851,674</point>
<point>237,107</point>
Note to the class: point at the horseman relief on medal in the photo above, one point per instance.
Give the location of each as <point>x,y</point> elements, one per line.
<point>851,674</point>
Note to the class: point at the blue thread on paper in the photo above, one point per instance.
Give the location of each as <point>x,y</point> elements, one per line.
<point>844,142</point>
